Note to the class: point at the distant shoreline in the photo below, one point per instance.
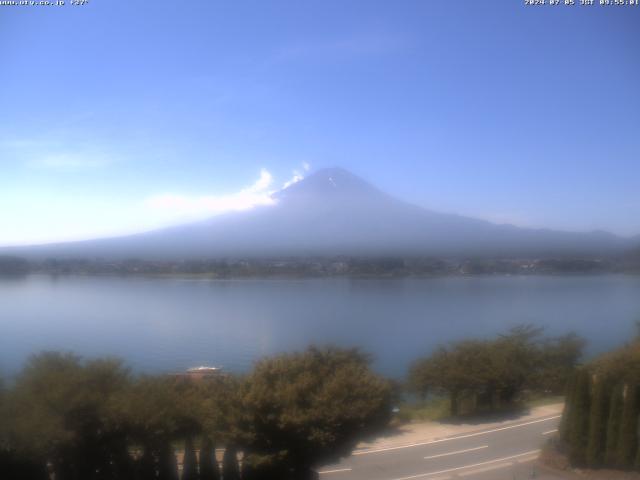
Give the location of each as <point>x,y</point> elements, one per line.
<point>322,267</point>
<point>275,276</point>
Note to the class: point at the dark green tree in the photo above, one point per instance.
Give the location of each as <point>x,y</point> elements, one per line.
<point>567,416</point>
<point>613,426</point>
<point>598,423</point>
<point>167,464</point>
<point>628,436</point>
<point>494,374</point>
<point>208,463</point>
<point>515,359</point>
<point>189,461</point>
<point>248,469</point>
<point>579,427</point>
<point>145,466</point>
<point>616,382</point>
<point>559,358</point>
<point>156,413</point>
<point>221,411</point>
<point>264,467</point>
<point>230,469</point>
<point>312,407</point>
<point>458,371</point>
<point>63,411</point>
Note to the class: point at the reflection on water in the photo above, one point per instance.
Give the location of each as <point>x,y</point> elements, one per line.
<point>168,324</point>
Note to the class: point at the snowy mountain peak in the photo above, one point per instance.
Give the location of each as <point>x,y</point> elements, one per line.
<point>329,183</point>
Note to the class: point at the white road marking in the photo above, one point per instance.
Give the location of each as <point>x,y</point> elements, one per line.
<point>456,452</point>
<point>337,470</point>
<point>449,439</point>
<point>497,460</point>
<point>550,432</point>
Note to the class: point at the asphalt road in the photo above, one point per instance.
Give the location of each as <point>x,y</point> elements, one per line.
<point>507,452</point>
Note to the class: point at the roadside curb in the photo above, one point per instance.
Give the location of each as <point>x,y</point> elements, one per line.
<point>461,434</point>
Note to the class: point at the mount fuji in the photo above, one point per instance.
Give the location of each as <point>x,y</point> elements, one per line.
<point>334,212</point>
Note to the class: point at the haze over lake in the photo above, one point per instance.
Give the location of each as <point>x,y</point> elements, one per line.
<point>169,324</point>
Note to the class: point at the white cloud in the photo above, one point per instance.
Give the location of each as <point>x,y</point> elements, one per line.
<point>262,183</point>
<point>297,175</point>
<point>185,206</point>
<point>46,216</point>
<point>295,179</point>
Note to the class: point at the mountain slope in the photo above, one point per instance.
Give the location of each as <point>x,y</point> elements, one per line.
<point>334,212</point>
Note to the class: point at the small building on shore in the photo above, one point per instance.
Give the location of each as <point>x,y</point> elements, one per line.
<point>198,374</point>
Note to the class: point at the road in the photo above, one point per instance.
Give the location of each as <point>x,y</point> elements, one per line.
<point>507,452</point>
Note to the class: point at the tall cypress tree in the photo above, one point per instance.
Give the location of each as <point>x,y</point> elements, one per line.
<point>189,462</point>
<point>579,426</point>
<point>597,423</point>
<point>636,464</point>
<point>145,466</point>
<point>230,470</point>
<point>613,426</point>
<point>628,437</point>
<point>208,462</point>
<point>248,470</point>
<point>16,467</point>
<point>167,464</point>
<point>568,409</point>
<point>121,463</point>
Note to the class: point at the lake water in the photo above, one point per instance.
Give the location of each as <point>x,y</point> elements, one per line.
<point>159,324</point>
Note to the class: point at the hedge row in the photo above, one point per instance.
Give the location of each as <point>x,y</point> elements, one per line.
<point>600,426</point>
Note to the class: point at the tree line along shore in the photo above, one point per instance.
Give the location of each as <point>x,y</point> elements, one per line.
<point>323,266</point>
<point>67,418</point>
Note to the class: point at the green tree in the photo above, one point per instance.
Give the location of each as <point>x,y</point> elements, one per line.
<point>613,426</point>
<point>579,427</point>
<point>264,467</point>
<point>628,436</point>
<point>598,423</point>
<point>63,413</point>
<point>312,407</point>
<point>167,464</point>
<point>220,410</point>
<point>567,416</point>
<point>156,412</point>
<point>145,466</point>
<point>514,362</point>
<point>15,464</point>
<point>493,373</point>
<point>189,461</point>
<point>457,371</point>
<point>230,469</point>
<point>559,358</point>
<point>248,470</point>
<point>208,463</point>
<point>608,409</point>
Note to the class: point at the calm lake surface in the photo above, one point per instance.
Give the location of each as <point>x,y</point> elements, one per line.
<point>159,324</point>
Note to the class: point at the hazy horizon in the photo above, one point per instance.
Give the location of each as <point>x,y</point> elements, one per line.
<point>259,197</point>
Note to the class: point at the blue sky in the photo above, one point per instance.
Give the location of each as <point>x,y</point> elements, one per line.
<point>120,116</point>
